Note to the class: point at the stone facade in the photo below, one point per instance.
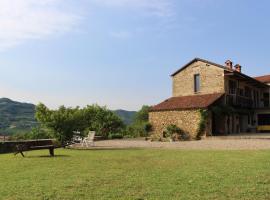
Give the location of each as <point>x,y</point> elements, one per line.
<point>187,120</point>
<point>239,91</point>
<point>212,80</point>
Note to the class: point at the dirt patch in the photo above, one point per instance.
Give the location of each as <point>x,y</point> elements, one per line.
<point>217,144</point>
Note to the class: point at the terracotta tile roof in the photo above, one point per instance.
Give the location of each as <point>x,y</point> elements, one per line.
<point>188,102</point>
<point>264,79</point>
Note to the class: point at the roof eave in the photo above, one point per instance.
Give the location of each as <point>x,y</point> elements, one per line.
<point>202,60</point>
<point>220,66</point>
<point>178,109</point>
<point>253,79</point>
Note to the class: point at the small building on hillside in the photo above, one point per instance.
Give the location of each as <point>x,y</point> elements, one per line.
<point>233,101</point>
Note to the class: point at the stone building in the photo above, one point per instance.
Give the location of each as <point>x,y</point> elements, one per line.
<point>234,102</point>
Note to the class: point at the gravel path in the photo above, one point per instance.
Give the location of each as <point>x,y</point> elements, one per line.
<point>208,144</point>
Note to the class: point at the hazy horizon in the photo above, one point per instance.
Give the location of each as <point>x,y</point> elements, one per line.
<point>120,53</point>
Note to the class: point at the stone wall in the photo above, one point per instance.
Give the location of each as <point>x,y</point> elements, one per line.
<point>187,120</point>
<point>212,80</point>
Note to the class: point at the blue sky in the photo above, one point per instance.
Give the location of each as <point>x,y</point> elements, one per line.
<point>120,53</point>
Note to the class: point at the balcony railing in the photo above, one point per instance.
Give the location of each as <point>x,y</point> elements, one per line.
<point>239,101</point>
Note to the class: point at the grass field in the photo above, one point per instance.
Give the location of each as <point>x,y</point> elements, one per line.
<point>136,174</point>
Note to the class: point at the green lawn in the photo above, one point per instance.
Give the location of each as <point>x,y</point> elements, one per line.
<point>136,174</point>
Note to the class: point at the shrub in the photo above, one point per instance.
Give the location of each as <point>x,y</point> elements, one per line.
<point>142,115</point>
<point>113,136</point>
<point>35,134</point>
<point>39,133</point>
<point>155,138</point>
<point>141,129</point>
<point>148,127</point>
<point>202,124</point>
<point>171,129</point>
<point>130,132</point>
<point>144,129</point>
<point>140,126</point>
<point>175,133</point>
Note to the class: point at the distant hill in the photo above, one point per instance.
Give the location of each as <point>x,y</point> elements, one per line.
<point>126,116</point>
<point>15,116</point>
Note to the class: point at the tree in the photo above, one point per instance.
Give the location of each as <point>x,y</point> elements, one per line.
<point>64,121</point>
<point>102,120</point>
<point>143,114</point>
<point>140,126</point>
<point>39,133</point>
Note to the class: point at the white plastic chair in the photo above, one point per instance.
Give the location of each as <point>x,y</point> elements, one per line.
<point>89,140</point>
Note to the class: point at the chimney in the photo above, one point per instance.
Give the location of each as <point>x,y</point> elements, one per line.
<point>229,64</point>
<point>238,68</point>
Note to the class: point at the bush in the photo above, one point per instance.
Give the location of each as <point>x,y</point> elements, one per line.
<point>148,127</point>
<point>141,129</point>
<point>35,134</point>
<point>113,136</point>
<point>171,131</point>
<point>155,138</point>
<point>142,115</point>
<point>140,126</point>
<point>18,136</point>
<point>130,132</point>
<point>39,133</point>
<point>144,129</point>
<point>175,133</point>
<point>202,125</point>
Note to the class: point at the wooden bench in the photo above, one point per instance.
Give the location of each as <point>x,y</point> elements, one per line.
<point>31,145</point>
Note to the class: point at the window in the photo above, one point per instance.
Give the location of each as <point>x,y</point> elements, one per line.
<point>232,87</point>
<point>197,84</point>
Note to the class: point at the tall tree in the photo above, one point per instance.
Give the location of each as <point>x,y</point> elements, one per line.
<point>64,121</point>
<point>143,114</point>
<point>141,126</point>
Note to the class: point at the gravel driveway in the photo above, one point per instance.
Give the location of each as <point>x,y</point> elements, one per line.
<point>206,144</point>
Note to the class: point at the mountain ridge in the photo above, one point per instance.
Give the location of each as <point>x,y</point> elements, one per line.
<point>16,117</point>
<point>19,117</point>
<point>125,115</point>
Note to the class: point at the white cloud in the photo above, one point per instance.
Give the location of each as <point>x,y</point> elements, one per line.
<point>154,7</point>
<point>22,20</point>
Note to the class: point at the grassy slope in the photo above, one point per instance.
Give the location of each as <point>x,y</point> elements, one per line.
<point>136,174</point>
<point>16,117</point>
